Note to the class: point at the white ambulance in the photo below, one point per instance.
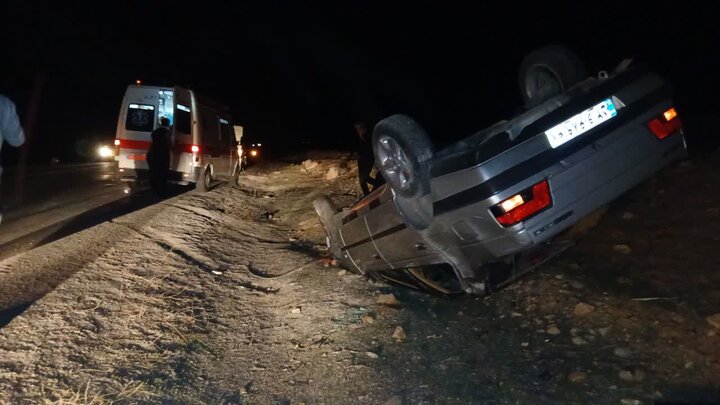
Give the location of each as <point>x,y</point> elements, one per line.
<point>205,144</point>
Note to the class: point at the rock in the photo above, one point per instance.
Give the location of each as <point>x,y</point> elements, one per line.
<point>626,375</point>
<point>622,248</point>
<point>577,340</point>
<point>627,216</point>
<point>332,174</point>
<point>296,310</point>
<point>574,266</point>
<point>604,331</point>
<point>582,309</point>
<point>632,375</point>
<point>371,355</point>
<point>714,320</point>
<point>388,299</point>
<point>577,284</point>
<point>309,164</point>
<point>677,318</point>
<point>577,376</point>
<point>367,319</point>
<point>341,272</point>
<point>622,352</point>
<point>515,314</point>
<point>399,334</point>
<point>553,330</point>
<point>630,402</point>
<point>393,401</point>
<point>525,344</point>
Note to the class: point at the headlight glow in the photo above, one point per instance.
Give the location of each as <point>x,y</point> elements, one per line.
<point>105,151</point>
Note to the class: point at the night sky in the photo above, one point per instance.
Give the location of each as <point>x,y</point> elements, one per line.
<point>299,73</point>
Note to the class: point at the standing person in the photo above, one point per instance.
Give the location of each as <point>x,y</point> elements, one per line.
<point>366,158</point>
<point>10,131</point>
<point>158,157</point>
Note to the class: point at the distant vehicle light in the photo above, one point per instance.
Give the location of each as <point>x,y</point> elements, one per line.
<point>195,149</point>
<point>105,151</point>
<point>253,152</point>
<point>259,144</point>
<point>138,82</point>
<point>117,142</point>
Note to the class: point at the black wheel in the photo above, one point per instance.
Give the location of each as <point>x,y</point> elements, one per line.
<point>402,154</point>
<point>547,72</point>
<point>203,183</point>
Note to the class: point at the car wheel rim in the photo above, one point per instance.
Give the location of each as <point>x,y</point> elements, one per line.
<point>207,178</point>
<point>394,163</point>
<point>542,80</point>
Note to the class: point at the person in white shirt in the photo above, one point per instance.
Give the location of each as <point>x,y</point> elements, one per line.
<point>10,131</point>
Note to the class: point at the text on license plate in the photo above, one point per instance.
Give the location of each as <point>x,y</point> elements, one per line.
<point>581,123</point>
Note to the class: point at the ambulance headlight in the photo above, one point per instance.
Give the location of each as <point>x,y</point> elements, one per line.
<point>105,151</point>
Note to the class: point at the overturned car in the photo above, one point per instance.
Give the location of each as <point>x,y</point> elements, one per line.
<point>474,216</point>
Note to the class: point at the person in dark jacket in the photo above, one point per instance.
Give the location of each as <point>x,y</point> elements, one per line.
<point>158,157</point>
<point>366,158</point>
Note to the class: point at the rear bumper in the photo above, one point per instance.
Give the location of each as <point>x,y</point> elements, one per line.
<point>579,184</point>
<point>134,175</point>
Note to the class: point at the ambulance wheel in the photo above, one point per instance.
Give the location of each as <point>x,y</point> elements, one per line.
<point>203,183</point>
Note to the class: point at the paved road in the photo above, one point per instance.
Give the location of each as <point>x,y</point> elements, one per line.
<point>45,203</point>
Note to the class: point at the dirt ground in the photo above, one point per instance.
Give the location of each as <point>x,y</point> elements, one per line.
<point>228,297</point>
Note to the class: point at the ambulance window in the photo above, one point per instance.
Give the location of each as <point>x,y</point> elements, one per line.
<point>140,117</point>
<point>226,131</point>
<point>183,119</point>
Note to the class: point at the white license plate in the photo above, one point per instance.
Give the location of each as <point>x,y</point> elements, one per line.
<point>581,123</point>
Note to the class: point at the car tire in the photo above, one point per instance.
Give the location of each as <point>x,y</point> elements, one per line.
<point>203,183</point>
<point>403,152</point>
<point>547,72</point>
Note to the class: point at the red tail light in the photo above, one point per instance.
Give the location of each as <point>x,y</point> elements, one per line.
<point>195,149</point>
<point>666,124</point>
<point>523,205</point>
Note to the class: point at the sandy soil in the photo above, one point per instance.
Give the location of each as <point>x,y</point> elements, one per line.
<point>228,297</point>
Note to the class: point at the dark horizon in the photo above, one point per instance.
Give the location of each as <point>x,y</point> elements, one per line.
<point>303,73</point>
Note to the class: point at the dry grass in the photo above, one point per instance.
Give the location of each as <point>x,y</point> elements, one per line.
<point>130,391</point>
